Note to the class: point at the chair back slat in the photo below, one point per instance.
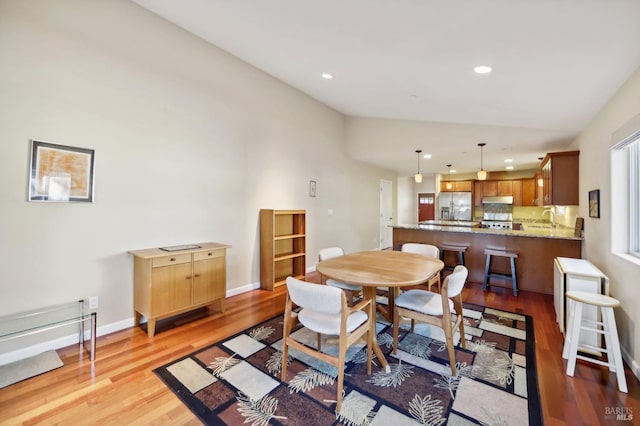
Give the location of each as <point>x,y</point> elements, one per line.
<point>315,297</point>
<point>424,249</point>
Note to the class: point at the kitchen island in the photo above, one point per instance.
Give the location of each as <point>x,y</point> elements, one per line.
<point>537,247</point>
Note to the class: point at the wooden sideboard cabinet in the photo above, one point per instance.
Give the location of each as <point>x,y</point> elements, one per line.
<point>168,283</point>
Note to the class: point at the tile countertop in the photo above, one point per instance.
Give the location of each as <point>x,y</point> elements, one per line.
<point>535,231</point>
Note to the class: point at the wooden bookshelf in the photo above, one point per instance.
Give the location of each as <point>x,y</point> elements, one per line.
<point>282,246</point>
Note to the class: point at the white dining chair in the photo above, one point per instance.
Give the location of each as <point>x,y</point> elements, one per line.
<point>324,311</point>
<point>437,309</point>
<point>350,289</point>
<point>425,250</point>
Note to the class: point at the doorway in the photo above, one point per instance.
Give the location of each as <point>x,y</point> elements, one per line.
<point>426,206</point>
<point>386,213</point>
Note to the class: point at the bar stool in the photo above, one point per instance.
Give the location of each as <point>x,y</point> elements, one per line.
<point>454,248</point>
<point>488,274</point>
<point>607,327</point>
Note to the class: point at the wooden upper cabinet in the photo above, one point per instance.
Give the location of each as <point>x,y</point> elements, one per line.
<point>505,188</point>
<point>489,188</point>
<point>560,174</point>
<point>456,186</point>
<point>529,192</point>
<point>477,193</point>
<point>516,191</point>
<point>498,188</point>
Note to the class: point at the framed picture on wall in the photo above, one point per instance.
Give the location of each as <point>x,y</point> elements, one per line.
<point>60,173</point>
<point>594,203</point>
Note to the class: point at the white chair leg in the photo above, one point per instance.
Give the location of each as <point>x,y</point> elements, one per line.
<point>576,322</point>
<point>613,347</point>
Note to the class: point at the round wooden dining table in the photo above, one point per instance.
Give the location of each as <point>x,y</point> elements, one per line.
<point>381,268</point>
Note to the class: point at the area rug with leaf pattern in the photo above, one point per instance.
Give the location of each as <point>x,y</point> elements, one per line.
<point>237,381</point>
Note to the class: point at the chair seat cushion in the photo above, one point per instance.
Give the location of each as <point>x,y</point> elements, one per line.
<point>330,324</point>
<point>344,286</point>
<point>423,301</point>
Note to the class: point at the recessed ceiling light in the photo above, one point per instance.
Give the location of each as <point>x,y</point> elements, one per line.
<point>509,167</point>
<point>453,170</point>
<point>327,76</point>
<point>508,160</point>
<point>427,156</point>
<point>483,69</point>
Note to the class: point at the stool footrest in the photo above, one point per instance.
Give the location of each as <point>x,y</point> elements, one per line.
<point>594,330</point>
<point>585,347</point>
<point>499,275</point>
<point>611,366</point>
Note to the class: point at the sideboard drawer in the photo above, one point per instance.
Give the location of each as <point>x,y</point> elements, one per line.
<point>173,259</point>
<point>210,254</point>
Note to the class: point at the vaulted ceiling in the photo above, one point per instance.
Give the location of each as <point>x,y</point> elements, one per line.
<point>410,63</point>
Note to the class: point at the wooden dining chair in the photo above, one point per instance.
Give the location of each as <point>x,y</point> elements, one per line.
<point>426,250</point>
<point>437,309</point>
<point>324,311</point>
<point>351,289</point>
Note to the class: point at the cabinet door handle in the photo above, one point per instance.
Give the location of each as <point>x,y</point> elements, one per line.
<point>188,277</point>
<point>209,254</point>
<point>196,276</point>
<point>173,259</point>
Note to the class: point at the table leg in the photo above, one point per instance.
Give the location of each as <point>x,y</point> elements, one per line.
<point>387,312</point>
<point>370,294</point>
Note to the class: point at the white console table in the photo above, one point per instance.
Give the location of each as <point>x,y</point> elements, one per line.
<point>49,318</point>
<point>582,275</point>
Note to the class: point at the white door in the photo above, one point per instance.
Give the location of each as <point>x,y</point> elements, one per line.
<point>386,213</point>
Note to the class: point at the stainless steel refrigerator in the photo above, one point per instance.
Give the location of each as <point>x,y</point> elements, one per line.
<point>455,206</point>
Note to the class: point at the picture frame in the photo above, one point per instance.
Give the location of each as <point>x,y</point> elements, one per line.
<point>312,188</point>
<point>60,173</point>
<point>594,203</point>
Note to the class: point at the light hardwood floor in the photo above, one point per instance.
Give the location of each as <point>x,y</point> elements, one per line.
<point>120,388</point>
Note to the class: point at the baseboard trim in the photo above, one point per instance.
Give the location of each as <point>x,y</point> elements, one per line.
<point>243,289</point>
<point>633,365</point>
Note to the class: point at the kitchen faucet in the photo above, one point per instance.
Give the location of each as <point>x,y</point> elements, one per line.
<point>552,215</point>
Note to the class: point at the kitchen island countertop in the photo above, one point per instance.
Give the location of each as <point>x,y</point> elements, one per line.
<point>529,230</point>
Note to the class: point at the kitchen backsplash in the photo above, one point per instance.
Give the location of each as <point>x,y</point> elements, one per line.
<point>565,216</point>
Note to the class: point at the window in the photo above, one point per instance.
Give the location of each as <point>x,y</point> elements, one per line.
<point>625,190</point>
<point>634,197</point>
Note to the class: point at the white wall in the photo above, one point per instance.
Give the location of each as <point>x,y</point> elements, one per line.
<point>190,143</point>
<point>595,173</point>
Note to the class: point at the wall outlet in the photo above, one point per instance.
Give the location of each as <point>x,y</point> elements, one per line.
<point>93,302</point>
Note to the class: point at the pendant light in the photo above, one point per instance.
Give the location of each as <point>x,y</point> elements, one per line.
<point>482,175</point>
<point>449,184</point>
<point>418,176</point>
